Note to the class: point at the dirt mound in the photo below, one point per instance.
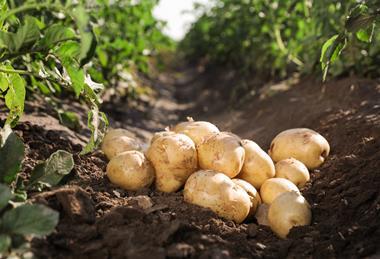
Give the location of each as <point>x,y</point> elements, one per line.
<point>99,220</point>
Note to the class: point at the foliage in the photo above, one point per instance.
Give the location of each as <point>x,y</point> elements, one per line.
<point>24,220</point>
<point>50,172</point>
<point>55,48</point>
<point>361,22</point>
<point>44,47</point>
<point>128,35</point>
<point>272,38</point>
<point>19,222</point>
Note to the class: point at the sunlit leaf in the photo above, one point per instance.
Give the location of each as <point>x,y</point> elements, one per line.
<point>55,34</point>
<point>51,172</point>
<point>331,49</point>
<point>366,34</point>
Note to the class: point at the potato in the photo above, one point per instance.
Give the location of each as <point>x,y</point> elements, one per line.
<point>293,170</point>
<point>258,166</point>
<point>273,187</point>
<point>117,141</point>
<point>305,145</point>
<point>222,152</point>
<point>252,193</point>
<point>130,170</point>
<point>161,134</point>
<point>198,131</point>
<point>214,190</point>
<point>287,211</point>
<point>174,158</point>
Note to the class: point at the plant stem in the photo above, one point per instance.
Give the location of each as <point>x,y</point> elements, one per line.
<point>27,7</point>
<point>281,45</point>
<point>16,71</point>
<point>28,73</point>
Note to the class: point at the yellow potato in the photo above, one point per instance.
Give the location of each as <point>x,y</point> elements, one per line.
<point>258,166</point>
<point>214,190</point>
<point>293,170</point>
<point>274,187</point>
<point>130,170</point>
<point>222,152</point>
<point>252,193</point>
<point>303,144</point>
<point>287,211</point>
<point>174,159</point>
<point>198,131</point>
<point>161,134</point>
<point>117,141</point>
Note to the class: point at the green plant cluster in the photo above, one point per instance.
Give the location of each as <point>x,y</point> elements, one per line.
<point>128,35</point>
<point>274,38</point>
<point>20,220</point>
<point>58,48</point>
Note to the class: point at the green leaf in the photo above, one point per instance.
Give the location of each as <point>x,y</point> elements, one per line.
<point>5,196</point>
<point>88,47</point>
<point>331,49</point>
<point>27,34</point>
<point>3,82</point>
<point>76,75</point>
<point>68,51</point>
<point>15,98</point>
<point>51,172</point>
<point>5,243</point>
<point>97,123</point>
<point>11,155</point>
<point>87,38</point>
<point>29,219</point>
<point>102,56</point>
<point>69,119</point>
<point>19,192</point>
<point>366,34</point>
<point>55,34</point>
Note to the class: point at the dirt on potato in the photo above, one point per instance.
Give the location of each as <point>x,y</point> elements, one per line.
<point>99,220</point>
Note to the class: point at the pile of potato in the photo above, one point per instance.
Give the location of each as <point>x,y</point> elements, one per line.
<point>234,178</point>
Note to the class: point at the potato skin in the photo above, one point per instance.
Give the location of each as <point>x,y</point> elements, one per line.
<point>293,170</point>
<point>274,187</point>
<point>287,211</point>
<point>214,190</point>
<point>161,134</point>
<point>222,152</point>
<point>130,170</point>
<point>198,131</point>
<point>303,144</point>
<point>174,159</point>
<point>258,166</point>
<point>254,196</point>
<point>117,141</point>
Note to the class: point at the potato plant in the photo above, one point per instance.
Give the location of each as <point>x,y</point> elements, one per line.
<point>278,38</point>
<point>44,48</point>
<point>17,223</point>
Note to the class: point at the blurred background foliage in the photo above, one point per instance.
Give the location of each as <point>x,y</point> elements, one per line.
<point>276,38</point>
<point>128,35</point>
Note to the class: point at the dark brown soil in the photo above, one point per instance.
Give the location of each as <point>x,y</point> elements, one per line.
<point>99,220</point>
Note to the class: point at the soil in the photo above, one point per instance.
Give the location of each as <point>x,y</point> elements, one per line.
<point>100,220</point>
